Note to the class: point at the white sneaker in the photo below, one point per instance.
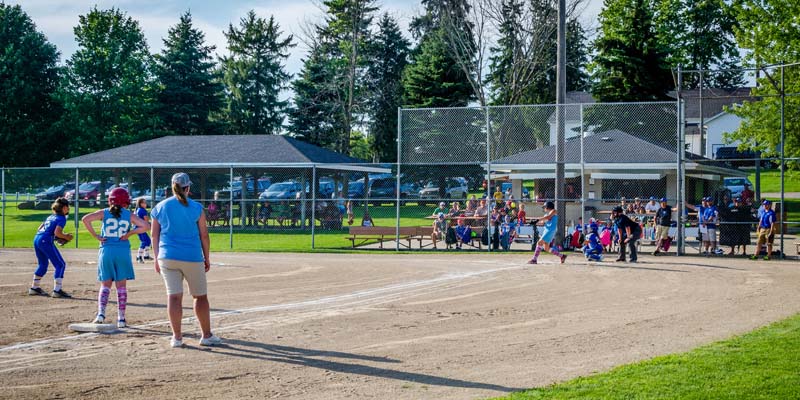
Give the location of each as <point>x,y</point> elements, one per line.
<point>99,319</point>
<point>175,342</point>
<point>210,341</point>
<point>122,324</point>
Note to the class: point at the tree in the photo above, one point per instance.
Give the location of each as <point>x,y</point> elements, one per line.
<point>700,35</point>
<point>190,91</point>
<point>769,31</point>
<point>28,83</point>
<point>631,63</point>
<point>522,63</point>
<point>433,79</point>
<point>108,86</point>
<point>313,116</point>
<point>388,59</point>
<point>254,76</point>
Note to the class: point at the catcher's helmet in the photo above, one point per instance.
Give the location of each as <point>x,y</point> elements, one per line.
<point>119,197</point>
<point>617,209</point>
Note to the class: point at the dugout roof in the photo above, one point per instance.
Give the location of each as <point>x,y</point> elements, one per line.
<point>218,151</point>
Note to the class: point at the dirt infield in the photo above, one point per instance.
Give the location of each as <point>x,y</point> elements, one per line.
<point>410,326</point>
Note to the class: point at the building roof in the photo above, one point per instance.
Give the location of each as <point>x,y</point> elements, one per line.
<point>573,113</point>
<point>210,150</point>
<point>714,100</point>
<point>613,147</point>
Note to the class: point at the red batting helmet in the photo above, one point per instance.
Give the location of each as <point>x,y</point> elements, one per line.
<point>119,197</point>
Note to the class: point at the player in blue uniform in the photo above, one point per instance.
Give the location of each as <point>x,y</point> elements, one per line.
<point>144,239</point>
<point>114,259</point>
<point>44,243</point>
<point>550,222</point>
<point>592,249</point>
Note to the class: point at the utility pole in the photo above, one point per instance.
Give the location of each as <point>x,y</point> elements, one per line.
<point>561,94</point>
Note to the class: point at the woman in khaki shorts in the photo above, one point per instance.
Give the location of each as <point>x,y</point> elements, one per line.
<point>180,244</point>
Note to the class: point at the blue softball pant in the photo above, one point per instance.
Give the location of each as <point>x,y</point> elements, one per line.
<point>46,253</point>
<point>144,241</point>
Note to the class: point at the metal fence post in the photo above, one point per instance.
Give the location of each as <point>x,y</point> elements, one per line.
<point>583,174</point>
<point>230,209</point>
<point>679,202</point>
<point>3,201</point>
<point>397,204</point>
<point>77,204</point>
<point>313,202</point>
<point>488,180</point>
<point>783,163</point>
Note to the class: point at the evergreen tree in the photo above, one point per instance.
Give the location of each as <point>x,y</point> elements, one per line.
<point>433,79</point>
<point>190,91</point>
<point>254,76</point>
<point>109,87</point>
<point>631,63</point>
<point>700,35</point>
<point>313,117</point>
<point>577,57</point>
<point>388,59</point>
<point>28,84</point>
<point>504,74</point>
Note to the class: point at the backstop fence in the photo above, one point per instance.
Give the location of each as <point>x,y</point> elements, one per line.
<point>485,167</point>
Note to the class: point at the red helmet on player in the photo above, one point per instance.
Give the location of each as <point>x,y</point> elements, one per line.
<point>119,197</point>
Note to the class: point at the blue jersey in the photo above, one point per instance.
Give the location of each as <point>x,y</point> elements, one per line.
<point>767,219</point>
<point>141,212</point>
<point>710,217</point>
<point>180,235</point>
<point>551,224</point>
<point>594,242</point>
<point>114,228</point>
<point>48,229</point>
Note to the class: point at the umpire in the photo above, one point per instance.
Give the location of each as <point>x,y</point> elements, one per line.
<point>628,231</point>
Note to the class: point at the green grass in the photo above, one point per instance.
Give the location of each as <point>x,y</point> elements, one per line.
<point>21,225</point>
<point>763,364</point>
<point>771,180</point>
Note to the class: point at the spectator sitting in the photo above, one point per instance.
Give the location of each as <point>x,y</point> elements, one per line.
<point>284,212</point>
<point>455,210</point>
<point>510,203</point>
<point>439,229</point>
<point>366,220</point>
<point>264,213</point>
<point>482,210</point>
<point>441,209</point>
<point>521,216</point>
<point>463,233</point>
<point>651,207</point>
<point>472,204</point>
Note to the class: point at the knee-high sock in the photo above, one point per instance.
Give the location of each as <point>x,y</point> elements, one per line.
<point>57,284</point>
<point>554,251</point>
<point>102,300</point>
<point>122,301</point>
<point>536,253</point>
<point>147,251</point>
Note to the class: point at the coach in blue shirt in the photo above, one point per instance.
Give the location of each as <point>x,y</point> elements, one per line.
<point>181,247</point>
<point>766,230</point>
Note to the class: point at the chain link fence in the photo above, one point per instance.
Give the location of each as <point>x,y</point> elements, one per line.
<point>492,169</point>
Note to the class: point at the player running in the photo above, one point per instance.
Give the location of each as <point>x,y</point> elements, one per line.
<point>44,243</point>
<point>144,239</point>
<point>550,222</point>
<point>114,258</point>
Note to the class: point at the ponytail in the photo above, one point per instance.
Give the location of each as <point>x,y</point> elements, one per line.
<point>180,193</point>
<point>58,205</point>
<point>115,210</point>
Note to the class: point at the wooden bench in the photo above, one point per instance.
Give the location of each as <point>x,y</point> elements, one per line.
<point>380,234</point>
<point>424,233</point>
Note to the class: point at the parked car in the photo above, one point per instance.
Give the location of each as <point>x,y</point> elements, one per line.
<point>736,185</point>
<point>282,191</point>
<point>224,194</point>
<point>54,192</point>
<point>355,189</point>
<point>456,190</point>
<point>90,192</point>
<point>744,158</point>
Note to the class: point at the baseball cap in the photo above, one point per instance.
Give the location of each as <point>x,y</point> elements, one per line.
<point>549,205</point>
<point>441,215</point>
<point>652,197</point>
<point>766,202</point>
<point>737,198</point>
<point>442,203</point>
<point>663,200</point>
<point>182,179</point>
<point>617,209</point>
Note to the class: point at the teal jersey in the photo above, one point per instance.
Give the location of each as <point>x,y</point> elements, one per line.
<point>114,228</point>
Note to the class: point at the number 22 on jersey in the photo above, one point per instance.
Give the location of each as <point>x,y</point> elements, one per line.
<point>114,228</point>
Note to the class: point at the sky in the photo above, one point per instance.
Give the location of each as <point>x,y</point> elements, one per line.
<point>57,18</point>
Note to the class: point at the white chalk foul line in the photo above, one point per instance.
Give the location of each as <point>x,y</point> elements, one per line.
<point>358,295</point>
